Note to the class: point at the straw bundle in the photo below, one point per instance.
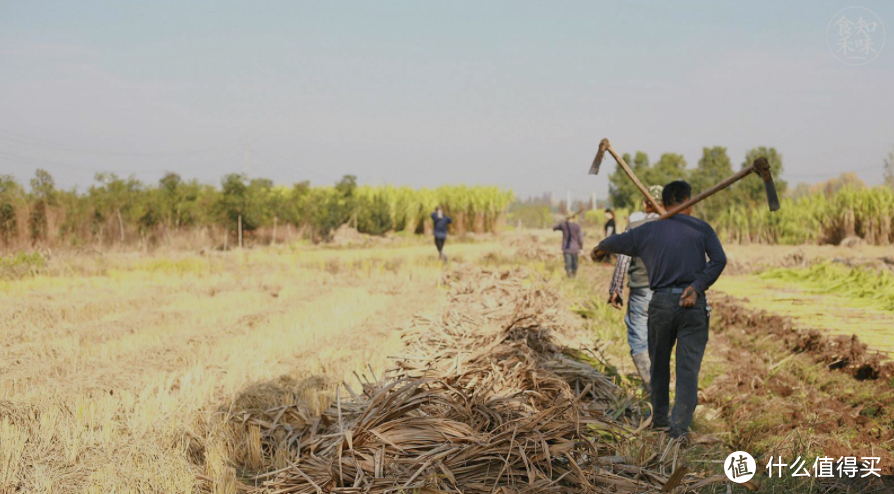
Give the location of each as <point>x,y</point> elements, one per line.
<point>530,247</point>
<point>484,401</point>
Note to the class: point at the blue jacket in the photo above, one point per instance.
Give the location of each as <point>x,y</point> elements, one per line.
<point>673,251</point>
<point>441,224</point>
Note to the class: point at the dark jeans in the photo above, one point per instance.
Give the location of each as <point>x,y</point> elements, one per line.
<point>671,324</point>
<point>571,264</point>
<point>439,243</point>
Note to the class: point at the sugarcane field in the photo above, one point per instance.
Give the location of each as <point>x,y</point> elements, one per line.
<point>462,248</point>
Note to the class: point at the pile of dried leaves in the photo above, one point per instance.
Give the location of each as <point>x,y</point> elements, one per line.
<point>484,400</point>
<point>531,247</point>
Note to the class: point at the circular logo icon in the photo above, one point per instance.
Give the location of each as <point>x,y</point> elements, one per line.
<point>855,35</point>
<point>739,467</point>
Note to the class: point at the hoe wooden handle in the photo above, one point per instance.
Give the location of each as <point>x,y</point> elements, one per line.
<point>639,185</point>
<point>710,192</point>
<point>576,213</point>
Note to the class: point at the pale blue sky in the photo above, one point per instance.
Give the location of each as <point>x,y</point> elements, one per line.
<point>516,94</point>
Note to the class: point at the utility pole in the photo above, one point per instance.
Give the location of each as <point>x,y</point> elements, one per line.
<point>240,231</point>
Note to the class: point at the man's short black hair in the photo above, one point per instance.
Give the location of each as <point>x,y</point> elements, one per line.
<point>676,192</point>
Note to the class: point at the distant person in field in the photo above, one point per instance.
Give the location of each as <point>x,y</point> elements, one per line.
<point>572,244</point>
<point>684,258</point>
<point>610,228</point>
<point>441,221</point>
<point>637,318</point>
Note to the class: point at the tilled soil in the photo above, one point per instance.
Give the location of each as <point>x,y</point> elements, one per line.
<point>842,353</point>
<point>771,388</point>
<point>782,385</point>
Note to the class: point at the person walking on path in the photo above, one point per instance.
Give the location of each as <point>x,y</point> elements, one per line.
<point>441,221</point>
<point>674,252</point>
<point>572,244</point>
<point>637,317</point>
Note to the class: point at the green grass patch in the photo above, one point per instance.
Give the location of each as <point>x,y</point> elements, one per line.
<point>21,265</point>
<point>874,287</point>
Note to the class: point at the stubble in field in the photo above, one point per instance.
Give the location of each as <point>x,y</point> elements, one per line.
<point>117,374</point>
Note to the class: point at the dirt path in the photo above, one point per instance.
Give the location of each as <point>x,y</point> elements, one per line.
<point>484,398</point>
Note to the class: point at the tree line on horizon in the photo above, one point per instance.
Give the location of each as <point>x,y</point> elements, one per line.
<point>120,210</point>
<point>826,212</point>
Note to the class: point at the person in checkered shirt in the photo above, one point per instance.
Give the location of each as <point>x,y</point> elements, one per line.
<point>637,317</point>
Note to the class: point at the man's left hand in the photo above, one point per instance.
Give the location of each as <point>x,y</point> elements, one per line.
<point>689,297</point>
<point>615,300</point>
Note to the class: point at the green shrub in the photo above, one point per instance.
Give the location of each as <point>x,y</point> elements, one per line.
<point>21,264</point>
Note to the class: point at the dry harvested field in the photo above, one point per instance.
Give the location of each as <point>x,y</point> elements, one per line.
<point>189,372</point>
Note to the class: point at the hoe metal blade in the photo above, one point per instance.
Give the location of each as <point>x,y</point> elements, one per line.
<point>762,168</point>
<point>594,168</point>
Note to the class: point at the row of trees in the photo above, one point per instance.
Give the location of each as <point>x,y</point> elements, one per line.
<point>714,166</point>
<point>117,209</point>
<point>820,213</point>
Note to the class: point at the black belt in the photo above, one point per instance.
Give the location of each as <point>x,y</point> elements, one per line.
<point>676,290</point>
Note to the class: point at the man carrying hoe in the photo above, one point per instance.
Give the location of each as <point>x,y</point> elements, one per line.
<point>572,244</point>
<point>674,251</point>
<point>440,222</point>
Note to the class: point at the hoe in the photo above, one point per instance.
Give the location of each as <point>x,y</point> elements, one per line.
<point>604,146</point>
<point>760,166</point>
